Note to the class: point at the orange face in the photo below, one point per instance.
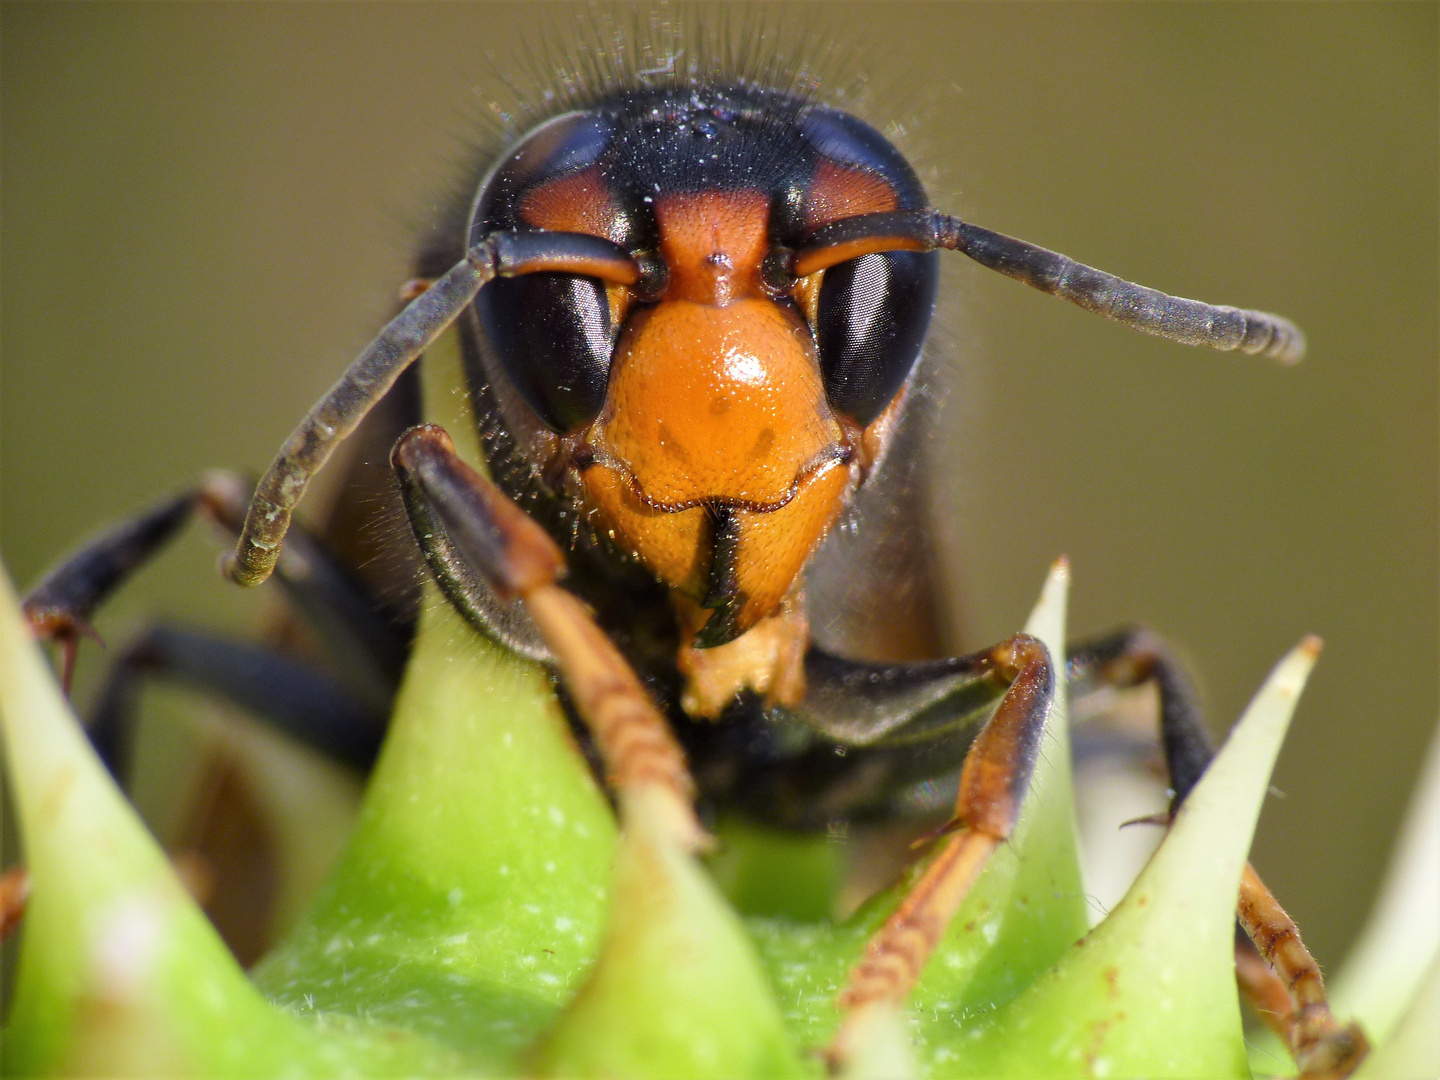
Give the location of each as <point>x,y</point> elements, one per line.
<point>716,458</point>
<point>711,420</point>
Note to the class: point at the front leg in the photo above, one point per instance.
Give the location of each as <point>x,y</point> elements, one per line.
<point>468,529</point>
<point>366,645</point>
<point>59,607</point>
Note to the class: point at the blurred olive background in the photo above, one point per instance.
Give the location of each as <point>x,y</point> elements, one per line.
<point>208,210</point>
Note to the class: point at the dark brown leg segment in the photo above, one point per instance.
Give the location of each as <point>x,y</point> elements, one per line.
<point>1320,1045</point>
<point>60,606</point>
<point>993,783</point>
<point>1259,984</point>
<point>290,695</point>
<point>488,534</point>
<point>367,646</point>
<point>14,891</point>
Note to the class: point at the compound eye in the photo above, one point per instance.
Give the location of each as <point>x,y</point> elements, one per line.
<point>554,338</point>
<point>870,322</point>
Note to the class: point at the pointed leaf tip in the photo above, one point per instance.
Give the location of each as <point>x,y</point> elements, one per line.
<point>1151,991</point>
<point>1028,906</point>
<point>1056,588</point>
<point>677,989</point>
<point>1401,939</point>
<point>120,972</point>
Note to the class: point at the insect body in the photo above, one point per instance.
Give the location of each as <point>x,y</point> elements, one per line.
<point>688,318</point>
<point>710,421</point>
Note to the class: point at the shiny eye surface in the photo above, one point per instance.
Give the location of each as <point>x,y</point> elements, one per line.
<point>554,338</point>
<point>552,335</point>
<point>871,320</point>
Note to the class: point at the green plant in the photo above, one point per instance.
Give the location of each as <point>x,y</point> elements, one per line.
<point>488,917</point>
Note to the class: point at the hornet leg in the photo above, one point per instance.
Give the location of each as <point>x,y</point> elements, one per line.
<point>1320,1045</point>
<point>288,694</point>
<point>467,527</point>
<point>993,782</point>
<point>367,647</point>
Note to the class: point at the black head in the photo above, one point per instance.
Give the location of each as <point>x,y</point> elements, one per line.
<point>604,169</point>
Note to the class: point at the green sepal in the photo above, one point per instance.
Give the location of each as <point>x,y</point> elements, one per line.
<point>1151,990</point>
<point>677,990</point>
<point>469,902</point>
<point>120,973</point>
